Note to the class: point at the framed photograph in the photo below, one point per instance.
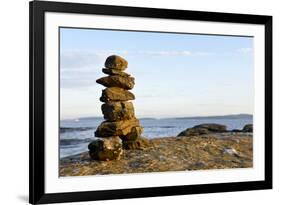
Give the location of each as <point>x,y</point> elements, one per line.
<point>130,102</point>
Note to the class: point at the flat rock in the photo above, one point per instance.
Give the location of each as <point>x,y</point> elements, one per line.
<point>203,129</point>
<point>118,128</point>
<point>169,154</point>
<point>117,81</point>
<point>106,149</point>
<point>114,72</point>
<point>116,111</point>
<point>248,128</point>
<point>116,62</point>
<point>134,134</point>
<point>116,94</point>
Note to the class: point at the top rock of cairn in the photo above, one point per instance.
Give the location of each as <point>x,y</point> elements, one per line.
<point>116,62</point>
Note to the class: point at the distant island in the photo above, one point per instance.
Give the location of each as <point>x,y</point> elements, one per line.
<point>236,116</point>
<point>231,116</point>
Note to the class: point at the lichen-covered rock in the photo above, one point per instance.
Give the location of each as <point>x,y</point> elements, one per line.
<point>140,143</point>
<point>117,128</point>
<point>114,72</point>
<point>134,134</point>
<point>116,111</point>
<point>117,81</point>
<point>116,62</point>
<point>203,129</point>
<point>106,149</point>
<point>248,128</point>
<point>116,94</point>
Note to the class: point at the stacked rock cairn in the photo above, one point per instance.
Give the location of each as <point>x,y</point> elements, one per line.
<point>121,129</point>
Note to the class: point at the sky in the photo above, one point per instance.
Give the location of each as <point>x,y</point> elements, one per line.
<point>176,75</point>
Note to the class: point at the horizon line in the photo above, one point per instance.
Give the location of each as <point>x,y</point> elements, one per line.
<point>197,116</point>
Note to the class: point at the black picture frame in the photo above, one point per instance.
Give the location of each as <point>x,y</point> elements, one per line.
<point>37,10</point>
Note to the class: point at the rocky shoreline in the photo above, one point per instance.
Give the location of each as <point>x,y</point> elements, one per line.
<point>199,152</point>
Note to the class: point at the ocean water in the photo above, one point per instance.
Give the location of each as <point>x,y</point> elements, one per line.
<point>75,135</point>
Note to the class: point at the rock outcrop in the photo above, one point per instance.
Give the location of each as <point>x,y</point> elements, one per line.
<point>248,128</point>
<point>203,129</point>
<point>121,129</point>
<point>212,128</point>
<point>214,151</point>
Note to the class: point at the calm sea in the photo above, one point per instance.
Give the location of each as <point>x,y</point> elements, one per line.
<point>75,135</point>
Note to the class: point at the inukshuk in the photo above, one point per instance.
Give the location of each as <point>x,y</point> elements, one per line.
<point>121,129</point>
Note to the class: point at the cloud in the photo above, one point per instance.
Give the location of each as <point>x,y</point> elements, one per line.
<point>170,53</point>
<point>80,68</point>
<point>82,58</point>
<point>75,59</point>
<point>163,53</point>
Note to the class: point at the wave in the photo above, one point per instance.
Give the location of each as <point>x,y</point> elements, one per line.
<point>74,129</point>
<point>159,126</point>
<point>167,126</point>
<point>74,141</point>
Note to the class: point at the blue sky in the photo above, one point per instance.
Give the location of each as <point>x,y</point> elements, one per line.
<point>176,75</point>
